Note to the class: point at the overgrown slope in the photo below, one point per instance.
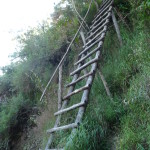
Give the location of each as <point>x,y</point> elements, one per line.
<point>121,123</point>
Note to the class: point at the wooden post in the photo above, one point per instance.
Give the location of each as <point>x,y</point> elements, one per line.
<point>84,43</point>
<point>104,83</point>
<point>83,37</point>
<point>117,28</point>
<point>60,88</point>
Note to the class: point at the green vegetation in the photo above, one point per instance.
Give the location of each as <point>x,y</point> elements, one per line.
<point>121,123</point>
<point>117,124</point>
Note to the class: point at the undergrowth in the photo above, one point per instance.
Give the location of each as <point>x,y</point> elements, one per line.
<point>122,122</point>
<point>13,116</point>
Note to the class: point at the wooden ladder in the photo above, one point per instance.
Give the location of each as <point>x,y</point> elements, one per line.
<point>85,70</point>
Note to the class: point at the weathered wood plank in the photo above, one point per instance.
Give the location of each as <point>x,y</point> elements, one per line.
<point>86,92</point>
<point>96,36</point>
<point>85,97</point>
<point>98,30</point>
<point>83,37</point>
<point>100,18</point>
<point>97,41</point>
<point>84,66</point>
<point>101,23</point>
<point>69,108</point>
<point>101,9</point>
<point>102,12</point>
<point>79,79</point>
<point>76,91</point>
<point>89,54</point>
<point>73,125</point>
<point>102,6</point>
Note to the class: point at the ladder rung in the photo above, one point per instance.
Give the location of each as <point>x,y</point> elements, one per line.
<point>103,5</point>
<point>102,22</point>
<point>70,108</point>
<point>73,125</point>
<point>96,36</point>
<point>106,22</point>
<point>98,30</point>
<point>100,19</point>
<point>93,44</point>
<point>101,9</point>
<point>76,91</point>
<point>79,79</point>
<point>102,12</point>
<point>89,54</point>
<point>85,65</point>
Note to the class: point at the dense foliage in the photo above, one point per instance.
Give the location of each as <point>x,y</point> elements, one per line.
<point>126,70</point>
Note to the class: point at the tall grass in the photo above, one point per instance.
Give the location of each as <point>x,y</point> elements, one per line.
<point>127,72</point>
<point>9,117</point>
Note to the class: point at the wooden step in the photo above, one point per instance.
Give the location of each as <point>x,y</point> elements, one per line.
<point>75,92</point>
<point>85,96</point>
<point>103,5</point>
<point>101,9</point>
<point>98,30</point>
<point>90,53</point>
<point>79,79</point>
<point>94,43</point>
<point>101,22</point>
<point>96,36</point>
<point>100,18</point>
<point>104,10</point>
<point>97,15</point>
<point>100,26</point>
<point>84,66</point>
<point>65,127</point>
<point>70,108</point>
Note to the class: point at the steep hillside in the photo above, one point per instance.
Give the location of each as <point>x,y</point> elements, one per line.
<point>119,123</point>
